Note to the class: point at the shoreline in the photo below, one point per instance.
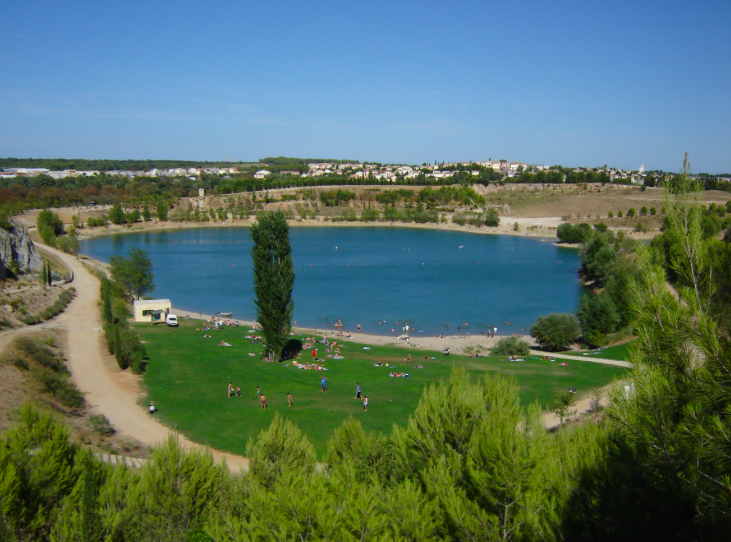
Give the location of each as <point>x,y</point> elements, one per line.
<point>544,226</point>
<point>456,343</point>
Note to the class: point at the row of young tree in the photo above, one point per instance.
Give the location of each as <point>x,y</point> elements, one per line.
<point>131,277</point>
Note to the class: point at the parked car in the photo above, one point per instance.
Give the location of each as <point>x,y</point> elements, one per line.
<point>171,320</point>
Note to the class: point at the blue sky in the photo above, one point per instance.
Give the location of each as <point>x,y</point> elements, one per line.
<point>575,82</point>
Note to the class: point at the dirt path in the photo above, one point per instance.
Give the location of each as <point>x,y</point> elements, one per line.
<point>108,389</point>
<point>615,362</point>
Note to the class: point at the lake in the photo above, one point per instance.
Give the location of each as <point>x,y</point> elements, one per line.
<point>367,275</point>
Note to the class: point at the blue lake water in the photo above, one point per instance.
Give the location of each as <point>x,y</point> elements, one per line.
<point>367,275</point>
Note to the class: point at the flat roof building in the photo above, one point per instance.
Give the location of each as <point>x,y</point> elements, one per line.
<point>151,310</point>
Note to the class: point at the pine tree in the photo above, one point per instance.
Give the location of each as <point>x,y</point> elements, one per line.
<point>91,527</point>
<point>50,274</point>
<point>273,279</point>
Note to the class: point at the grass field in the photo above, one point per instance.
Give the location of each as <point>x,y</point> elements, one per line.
<point>187,377</point>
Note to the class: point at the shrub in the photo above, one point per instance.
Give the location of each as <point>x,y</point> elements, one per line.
<point>511,346</point>
<point>610,215</point>
<point>574,233</point>
<point>555,331</point>
<point>653,211</point>
<point>59,386</point>
<point>598,315</point>
<point>39,353</point>
<point>100,424</point>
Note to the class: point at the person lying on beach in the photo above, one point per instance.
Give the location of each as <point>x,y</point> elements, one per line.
<point>223,343</point>
<point>206,336</point>
<point>418,366</point>
<point>398,374</point>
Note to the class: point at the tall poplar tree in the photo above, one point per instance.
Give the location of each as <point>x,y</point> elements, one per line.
<point>273,279</point>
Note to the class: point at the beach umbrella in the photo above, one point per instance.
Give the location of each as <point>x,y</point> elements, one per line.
<point>404,336</point>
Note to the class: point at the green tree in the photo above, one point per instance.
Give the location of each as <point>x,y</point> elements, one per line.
<point>511,346</point>
<point>116,215</point>
<point>555,331</point>
<point>273,279</point>
<point>598,316</point>
<point>561,405</point>
<point>146,214</point>
<point>653,211</point>
<point>49,226</point>
<point>668,429</point>
<point>134,272</point>
<point>162,211</point>
<point>631,212</point>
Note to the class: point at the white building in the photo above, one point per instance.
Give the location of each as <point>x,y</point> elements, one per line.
<point>261,174</point>
<point>151,310</point>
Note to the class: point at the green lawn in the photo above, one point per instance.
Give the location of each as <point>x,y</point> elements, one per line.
<point>187,377</point>
<point>619,352</point>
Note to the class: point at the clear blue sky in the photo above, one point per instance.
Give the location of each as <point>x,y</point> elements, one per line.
<point>546,82</point>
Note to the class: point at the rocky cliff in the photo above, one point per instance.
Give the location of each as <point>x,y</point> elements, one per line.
<point>17,245</point>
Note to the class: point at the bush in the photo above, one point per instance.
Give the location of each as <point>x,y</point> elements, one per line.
<point>511,346</point>
<point>598,315</point>
<point>570,233</point>
<point>59,386</point>
<point>555,331</point>
<point>100,424</point>
<point>40,354</point>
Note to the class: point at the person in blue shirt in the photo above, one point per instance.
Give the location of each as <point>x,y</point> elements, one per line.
<point>357,391</point>
<point>324,384</point>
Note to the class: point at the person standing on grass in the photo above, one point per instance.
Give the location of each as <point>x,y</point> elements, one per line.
<point>365,403</point>
<point>230,389</point>
<point>314,354</point>
<point>263,400</point>
<point>323,382</point>
<point>357,390</point>
<point>258,393</point>
<point>289,399</point>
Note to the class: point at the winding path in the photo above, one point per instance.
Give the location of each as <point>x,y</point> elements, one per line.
<point>108,389</point>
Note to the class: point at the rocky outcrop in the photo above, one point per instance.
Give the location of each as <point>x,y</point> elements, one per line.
<point>16,244</point>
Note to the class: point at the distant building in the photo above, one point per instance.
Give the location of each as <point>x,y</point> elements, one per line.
<point>261,174</point>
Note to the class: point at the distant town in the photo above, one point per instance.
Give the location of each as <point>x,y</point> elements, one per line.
<point>480,171</point>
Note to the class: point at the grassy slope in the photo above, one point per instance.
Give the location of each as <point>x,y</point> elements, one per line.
<point>188,375</point>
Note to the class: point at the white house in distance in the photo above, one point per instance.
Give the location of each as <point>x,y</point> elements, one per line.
<point>152,310</point>
<point>261,174</point>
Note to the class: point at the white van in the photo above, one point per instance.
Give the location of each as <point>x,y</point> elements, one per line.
<point>171,320</point>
